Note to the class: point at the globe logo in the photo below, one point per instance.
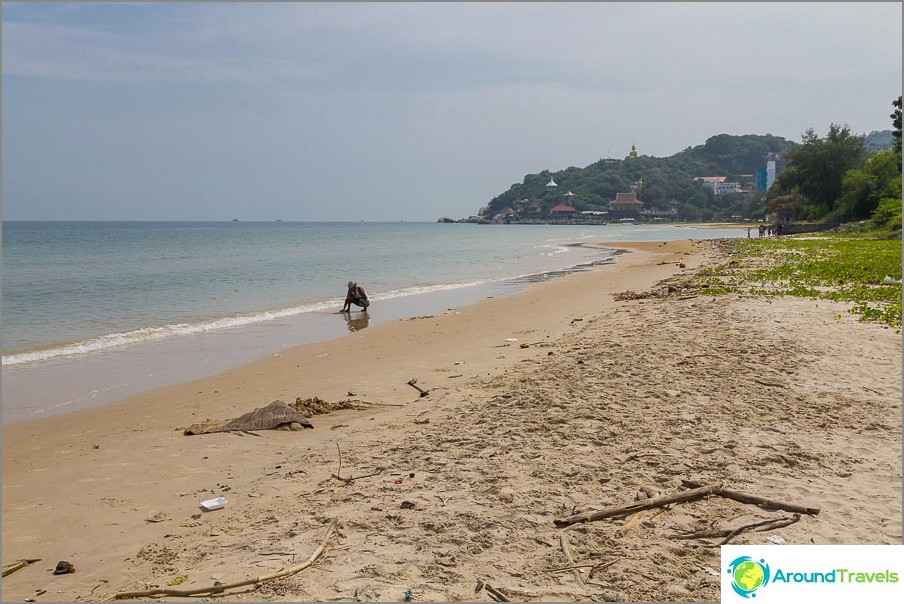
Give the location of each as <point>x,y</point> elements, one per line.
<point>748,575</point>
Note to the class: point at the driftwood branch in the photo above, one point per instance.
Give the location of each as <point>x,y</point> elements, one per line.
<point>413,383</point>
<point>9,569</point>
<point>693,494</point>
<point>566,549</point>
<point>759,501</point>
<point>757,527</point>
<point>637,506</point>
<point>760,526</point>
<point>351,479</point>
<point>495,593</point>
<point>215,589</point>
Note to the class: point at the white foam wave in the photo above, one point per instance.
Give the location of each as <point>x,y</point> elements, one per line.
<point>150,334</point>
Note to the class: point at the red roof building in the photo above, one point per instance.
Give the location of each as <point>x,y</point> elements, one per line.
<point>625,202</point>
<point>560,210</point>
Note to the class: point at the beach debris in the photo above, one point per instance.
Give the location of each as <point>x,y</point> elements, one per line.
<point>495,593</point>
<point>407,505</point>
<point>694,493</point>
<point>890,281</point>
<point>156,515</point>
<point>338,474</point>
<point>219,587</point>
<point>776,539</point>
<point>413,383</point>
<point>178,580</point>
<point>275,416</point>
<point>765,525</point>
<point>63,568</point>
<point>524,345</point>
<point>408,594</point>
<point>217,503</point>
<point>647,493</point>
<point>418,419</point>
<point>566,549</point>
<point>317,406</point>
<point>12,567</point>
<point>511,339</point>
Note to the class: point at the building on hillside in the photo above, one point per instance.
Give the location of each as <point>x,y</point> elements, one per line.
<point>771,173</point>
<point>563,211</point>
<point>551,185</point>
<point>761,180</point>
<point>718,184</point>
<point>625,205</point>
<point>657,214</point>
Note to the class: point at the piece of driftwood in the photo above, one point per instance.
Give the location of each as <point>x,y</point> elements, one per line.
<point>215,589</point>
<point>764,526</point>
<point>413,383</point>
<point>758,501</point>
<point>698,492</point>
<point>12,567</point>
<point>275,416</point>
<point>636,506</point>
<point>495,593</point>
<point>566,549</point>
<point>758,527</point>
<point>351,479</point>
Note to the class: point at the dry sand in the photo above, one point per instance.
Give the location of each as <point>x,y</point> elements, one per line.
<point>774,398</point>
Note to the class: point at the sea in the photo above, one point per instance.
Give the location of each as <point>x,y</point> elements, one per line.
<point>94,312</point>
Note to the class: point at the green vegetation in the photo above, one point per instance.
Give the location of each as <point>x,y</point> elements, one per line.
<point>839,178</point>
<point>660,181</point>
<point>839,267</point>
<point>835,179</point>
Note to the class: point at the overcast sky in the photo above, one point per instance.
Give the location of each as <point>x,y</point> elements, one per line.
<point>408,111</point>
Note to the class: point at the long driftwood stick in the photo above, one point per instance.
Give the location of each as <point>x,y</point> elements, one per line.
<point>221,588</point>
<point>759,501</point>
<point>695,493</point>
<point>631,508</point>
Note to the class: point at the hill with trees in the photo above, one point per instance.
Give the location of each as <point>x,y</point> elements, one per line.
<point>661,183</point>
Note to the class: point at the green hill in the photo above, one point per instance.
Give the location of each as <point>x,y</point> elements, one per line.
<point>661,182</point>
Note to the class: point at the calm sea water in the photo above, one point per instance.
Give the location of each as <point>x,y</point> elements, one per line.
<point>76,293</point>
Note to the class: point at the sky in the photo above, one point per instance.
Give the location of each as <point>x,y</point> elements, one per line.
<point>403,111</point>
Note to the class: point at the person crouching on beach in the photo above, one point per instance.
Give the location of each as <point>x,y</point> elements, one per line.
<point>357,296</point>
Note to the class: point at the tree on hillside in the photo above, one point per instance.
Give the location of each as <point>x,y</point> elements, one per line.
<point>887,212</point>
<point>816,169</point>
<point>863,188</point>
<point>896,122</point>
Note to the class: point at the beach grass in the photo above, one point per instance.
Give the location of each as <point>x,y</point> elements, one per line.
<point>835,266</point>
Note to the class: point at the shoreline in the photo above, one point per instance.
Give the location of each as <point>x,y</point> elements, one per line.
<point>609,396</point>
<point>69,384</point>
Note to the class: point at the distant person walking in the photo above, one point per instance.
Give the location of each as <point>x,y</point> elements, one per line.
<point>748,232</point>
<point>357,296</point>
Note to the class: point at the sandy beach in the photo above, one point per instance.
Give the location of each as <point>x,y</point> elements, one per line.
<point>612,400</point>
